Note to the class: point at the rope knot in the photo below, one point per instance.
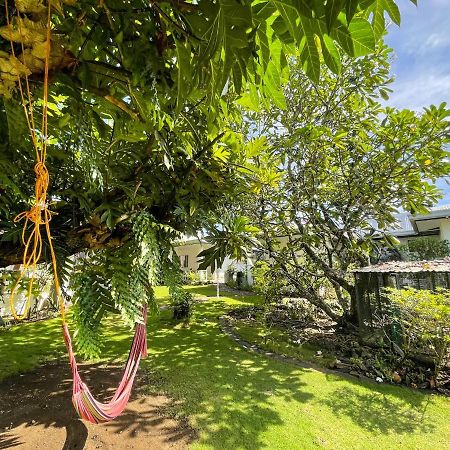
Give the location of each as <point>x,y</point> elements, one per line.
<point>40,169</point>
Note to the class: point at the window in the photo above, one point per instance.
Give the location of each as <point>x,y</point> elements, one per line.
<point>186,261</point>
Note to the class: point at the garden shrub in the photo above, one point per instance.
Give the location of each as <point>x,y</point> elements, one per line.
<point>423,317</point>
<point>232,284</point>
<point>267,282</point>
<point>424,248</point>
<point>192,278</point>
<point>237,279</point>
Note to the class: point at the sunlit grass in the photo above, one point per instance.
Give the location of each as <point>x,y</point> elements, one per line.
<point>277,341</point>
<point>241,400</point>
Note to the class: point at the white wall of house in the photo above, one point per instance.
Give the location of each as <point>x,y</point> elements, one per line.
<point>239,266</point>
<point>445,229</point>
<point>188,253</point>
<point>37,303</point>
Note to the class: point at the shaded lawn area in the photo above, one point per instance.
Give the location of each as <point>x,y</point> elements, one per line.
<point>241,400</point>
<point>278,341</point>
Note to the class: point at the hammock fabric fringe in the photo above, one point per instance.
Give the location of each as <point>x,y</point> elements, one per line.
<point>84,402</point>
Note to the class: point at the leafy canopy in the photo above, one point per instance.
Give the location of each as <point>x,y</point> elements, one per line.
<point>145,102</point>
<point>144,96</point>
<point>329,173</point>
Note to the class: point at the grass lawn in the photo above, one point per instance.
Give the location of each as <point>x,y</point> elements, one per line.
<point>278,341</point>
<point>241,400</point>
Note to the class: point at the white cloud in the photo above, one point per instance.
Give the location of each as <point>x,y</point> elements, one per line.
<point>437,40</point>
<point>422,90</point>
<point>421,63</point>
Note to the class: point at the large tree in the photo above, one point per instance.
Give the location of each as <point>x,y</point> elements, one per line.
<point>337,166</point>
<point>142,98</point>
<point>142,95</point>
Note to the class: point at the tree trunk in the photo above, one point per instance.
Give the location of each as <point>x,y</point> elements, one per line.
<point>350,317</point>
<point>73,241</point>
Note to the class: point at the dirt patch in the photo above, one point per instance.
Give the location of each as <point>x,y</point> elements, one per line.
<point>36,412</point>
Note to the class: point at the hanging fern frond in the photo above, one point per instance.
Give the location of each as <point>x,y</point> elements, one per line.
<point>65,265</point>
<point>92,295</point>
<point>119,280</point>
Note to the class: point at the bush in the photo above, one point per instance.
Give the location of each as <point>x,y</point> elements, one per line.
<point>181,302</point>
<point>192,278</point>
<point>297,309</point>
<point>267,282</point>
<point>424,248</point>
<point>232,284</point>
<point>236,279</point>
<point>423,317</point>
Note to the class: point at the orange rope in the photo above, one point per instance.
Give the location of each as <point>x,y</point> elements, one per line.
<point>38,214</point>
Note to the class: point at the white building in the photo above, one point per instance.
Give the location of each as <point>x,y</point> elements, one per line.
<point>435,224</point>
<point>188,250</point>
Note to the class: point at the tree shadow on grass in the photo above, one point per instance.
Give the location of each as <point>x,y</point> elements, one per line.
<point>41,397</point>
<point>8,441</point>
<point>228,390</point>
<point>235,416</point>
<point>25,345</point>
<point>385,409</point>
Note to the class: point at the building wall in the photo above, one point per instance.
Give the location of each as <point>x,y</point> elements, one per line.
<point>191,250</point>
<point>445,229</point>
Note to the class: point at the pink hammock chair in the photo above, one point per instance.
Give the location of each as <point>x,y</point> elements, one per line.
<point>85,404</point>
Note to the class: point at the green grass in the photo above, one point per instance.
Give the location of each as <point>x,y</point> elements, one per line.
<point>278,341</point>
<point>241,400</point>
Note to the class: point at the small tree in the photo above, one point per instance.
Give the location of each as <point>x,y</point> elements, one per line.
<point>334,169</point>
<point>424,317</point>
<point>425,248</point>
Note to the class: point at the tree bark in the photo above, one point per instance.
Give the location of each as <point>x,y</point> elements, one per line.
<point>73,241</point>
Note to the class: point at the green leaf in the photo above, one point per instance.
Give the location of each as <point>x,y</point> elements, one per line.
<point>305,7</point>
<point>331,12</point>
<point>350,9</point>
<point>184,72</point>
<point>362,37</point>
<point>309,54</point>
<point>378,22</point>
<point>290,15</point>
<point>393,11</point>
<point>378,9</point>
<point>119,37</point>
<point>192,207</point>
<point>384,94</point>
<point>272,78</point>
<point>256,146</point>
<point>263,42</point>
<point>64,120</point>
<point>342,35</point>
<point>330,54</point>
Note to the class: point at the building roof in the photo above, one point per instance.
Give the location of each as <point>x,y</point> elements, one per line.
<point>189,240</point>
<point>403,226</point>
<point>420,224</point>
<point>442,208</point>
<point>438,265</point>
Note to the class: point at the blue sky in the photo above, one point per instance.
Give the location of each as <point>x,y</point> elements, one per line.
<point>421,62</point>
